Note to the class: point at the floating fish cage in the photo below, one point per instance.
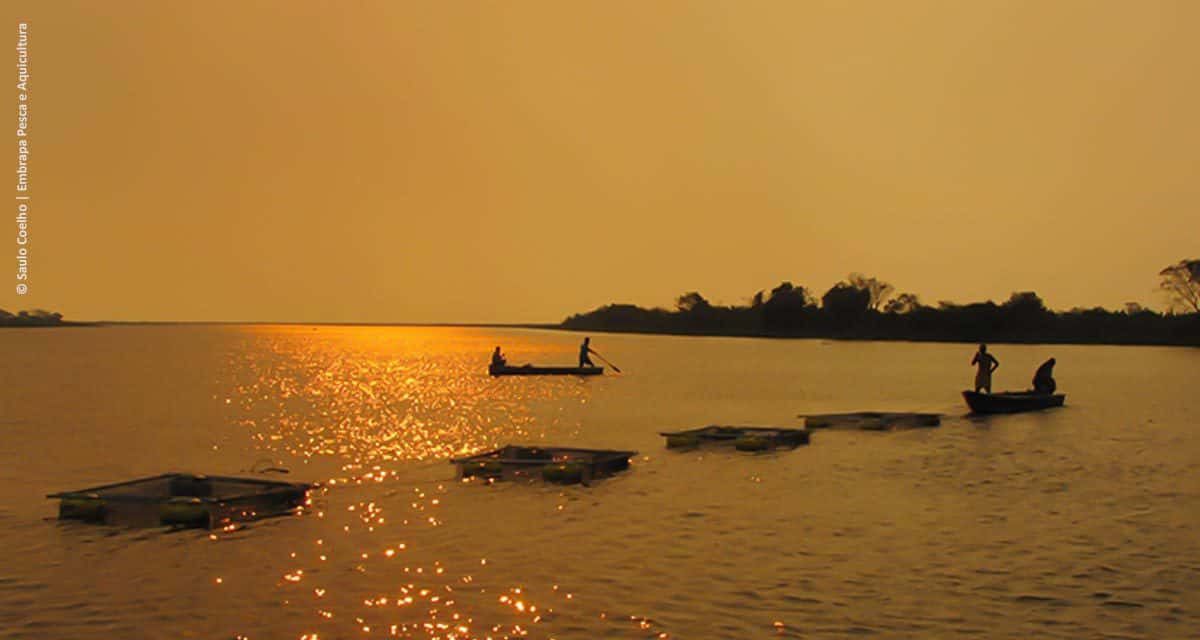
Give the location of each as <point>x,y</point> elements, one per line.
<point>182,500</point>
<point>872,420</point>
<point>742,438</point>
<point>560,465</point>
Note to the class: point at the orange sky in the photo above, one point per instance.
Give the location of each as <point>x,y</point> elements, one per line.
<point>521,161</point>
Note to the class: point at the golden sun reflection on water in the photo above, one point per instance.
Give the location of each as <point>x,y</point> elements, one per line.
<point>376,583</point>
<point>371,396</point>
<point>366,406</point>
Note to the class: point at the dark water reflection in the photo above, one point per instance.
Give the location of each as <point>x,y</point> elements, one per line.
<point>1073,523</point>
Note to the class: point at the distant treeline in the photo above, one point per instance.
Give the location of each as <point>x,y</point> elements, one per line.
<point>862,308</point>
<point>35,318</point>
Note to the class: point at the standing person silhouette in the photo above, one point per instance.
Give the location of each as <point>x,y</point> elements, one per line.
<point>986,364</point>
<point>584,350</point>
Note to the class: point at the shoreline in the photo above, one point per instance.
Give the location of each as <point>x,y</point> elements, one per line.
<point>57,325</point>
<point>1166,341</point>
<point>878,338</point>
<point>289,323</point>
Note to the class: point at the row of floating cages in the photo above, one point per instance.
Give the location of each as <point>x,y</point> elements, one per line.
<point>190,500</point>
<point>561,465</point>
<point>769,438</point>
<point>182,500</point>
<point>742,438</point>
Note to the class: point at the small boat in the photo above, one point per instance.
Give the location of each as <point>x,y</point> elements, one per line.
<point>742,438</point>
<point>563,465</point>
<point>1012,401</point>
<point>872,420</point>
<point>182,500</point>
<point>531,370</point>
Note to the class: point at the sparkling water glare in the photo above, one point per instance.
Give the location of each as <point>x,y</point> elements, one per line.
<point>1079,522</point>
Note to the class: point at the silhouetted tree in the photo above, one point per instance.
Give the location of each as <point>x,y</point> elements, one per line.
<point>845,303</point>
<point>1181,282</point>
<point>846,312</point>
<point>903,303</point>
<point>1023,310</point>
<point>47,317</point>
<point>1025,302</point>
<point>878,290</point>
<point>789,293</point>
<point>787,308</point>
<point>692,301</point>
<point>1134,308</point>
<point>35,318</point>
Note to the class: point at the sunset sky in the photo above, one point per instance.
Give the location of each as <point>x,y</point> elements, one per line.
<point>520,161</point>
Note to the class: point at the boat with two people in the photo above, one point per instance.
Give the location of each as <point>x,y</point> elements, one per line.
<point>499,365</point>
<point>1041,396</point>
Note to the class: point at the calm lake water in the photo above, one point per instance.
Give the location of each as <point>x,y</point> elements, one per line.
<point>1082,522</point>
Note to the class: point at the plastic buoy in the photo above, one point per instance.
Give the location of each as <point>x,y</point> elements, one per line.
<point>682,440</point>
<point>184,512</point>
<point>90,508</point>
<point>191,486</point>
<point>563,472</point>
<point>485,468</point>
<point>752,443</point>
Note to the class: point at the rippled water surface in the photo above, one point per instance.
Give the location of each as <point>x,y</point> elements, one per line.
<point>1082,522</point>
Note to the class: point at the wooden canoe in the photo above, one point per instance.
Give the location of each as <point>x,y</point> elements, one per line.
<point>531,370</point>
<point>1011,401</point>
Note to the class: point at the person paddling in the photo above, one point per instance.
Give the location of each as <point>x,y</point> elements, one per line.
<point>986,364</point>
<point>1043,379</point>
<point>584,351</point>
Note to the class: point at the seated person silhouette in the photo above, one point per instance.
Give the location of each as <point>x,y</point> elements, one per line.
<point>1043,380</point>
<point>498,359</point>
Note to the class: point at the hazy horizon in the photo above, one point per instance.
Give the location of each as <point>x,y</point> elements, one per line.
<point>518,163</point>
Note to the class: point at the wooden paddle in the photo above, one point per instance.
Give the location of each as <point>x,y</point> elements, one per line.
<point>614,367</point>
